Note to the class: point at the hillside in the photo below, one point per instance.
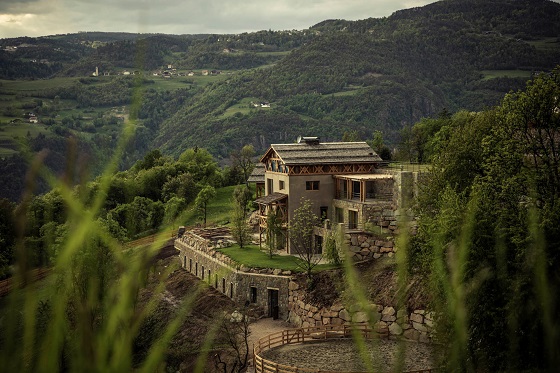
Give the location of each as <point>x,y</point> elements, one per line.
<point>335,77</point>
<point>378,74</point>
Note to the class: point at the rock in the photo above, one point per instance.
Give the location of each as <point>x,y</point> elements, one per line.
<point>344,315</point>
<point>376,256</point>
<point>395,329</point>
<point>336,307</point>
<point>411,334</point>
<point>388,311</point>
<point>287,273</point>
<point>336,321</point>
<point>416,318</point>
<point>388,318</point>
<point>419,327</point>
<point>277,272</point>
<point>293,285</point>
<point>360,317</point>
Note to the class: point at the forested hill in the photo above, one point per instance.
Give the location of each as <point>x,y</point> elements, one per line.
<point>378,74</point>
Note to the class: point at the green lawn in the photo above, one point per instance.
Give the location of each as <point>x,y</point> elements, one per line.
<point>219,210</point>
<point>251,256</point>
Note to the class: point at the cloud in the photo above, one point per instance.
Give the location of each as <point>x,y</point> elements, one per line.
<point>183,16</point>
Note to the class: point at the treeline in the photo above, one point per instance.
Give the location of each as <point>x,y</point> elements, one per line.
<point>488,242</point>
<point>155,191</point>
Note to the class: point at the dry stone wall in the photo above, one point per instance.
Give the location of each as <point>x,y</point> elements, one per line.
<point>417,325</point>
<point>363,246</point>
<point>242,284</point>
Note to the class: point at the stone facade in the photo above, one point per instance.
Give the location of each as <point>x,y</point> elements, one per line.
<point>417,325</point>
<point>266,288</point>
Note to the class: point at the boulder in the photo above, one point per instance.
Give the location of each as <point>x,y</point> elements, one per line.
<point>395,329</point>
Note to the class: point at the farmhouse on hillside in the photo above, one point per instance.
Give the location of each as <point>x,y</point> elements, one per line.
<point>347,183</point>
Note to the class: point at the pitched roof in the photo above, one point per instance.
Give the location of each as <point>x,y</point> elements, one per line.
<point>324,153</point>
<point>272,197</point>
<point>257,176</point>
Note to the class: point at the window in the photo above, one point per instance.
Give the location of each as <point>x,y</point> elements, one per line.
<point>202,272</point>
<point>223,285</point>
<point>352,219</point>
<point>281,185</point>
<point>270,185</point>
<point>231,290</point>
<point>324,213</point>
<point>356,189</point>
<point>209,276</point>
<point>339,215</point>
<point>253,295</point>
<point>312,185</point>
<point>190,265</point>
<point>196,269</point>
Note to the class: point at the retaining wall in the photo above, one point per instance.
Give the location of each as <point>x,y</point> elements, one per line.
<point>417,325</point>
<point>244,285</point>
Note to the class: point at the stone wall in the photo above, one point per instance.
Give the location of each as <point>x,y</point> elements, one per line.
<point>364,246</point>
<point>417,325</point>
<point>242,284</point>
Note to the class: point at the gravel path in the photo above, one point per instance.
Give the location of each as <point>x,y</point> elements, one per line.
<point>261,329</point>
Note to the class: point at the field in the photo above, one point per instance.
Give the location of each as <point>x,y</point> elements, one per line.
<point>491,74</point>
<point>11,134</point>
<point>243,107</point>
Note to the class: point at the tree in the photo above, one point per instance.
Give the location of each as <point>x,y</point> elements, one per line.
<point>235,331</point>
<point>273,231</point>
<point>244,161</point>
<point>203,198</point>
<point>7,235</point>
<point>241,231</point>
<point>302,239</point>
<point>350,136</point>
<point>380,148</point>
<point>201,165</point>
<point>488,229</point>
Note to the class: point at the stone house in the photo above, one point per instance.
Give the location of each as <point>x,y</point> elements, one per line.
<point>347,183</point>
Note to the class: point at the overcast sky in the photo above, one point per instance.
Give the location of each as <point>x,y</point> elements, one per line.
<point>48,17</point>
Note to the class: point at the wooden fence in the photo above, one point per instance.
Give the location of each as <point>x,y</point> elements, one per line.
<point>302,335</point>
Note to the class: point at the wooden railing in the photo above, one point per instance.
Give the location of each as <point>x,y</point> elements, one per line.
<point>302,335</point>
